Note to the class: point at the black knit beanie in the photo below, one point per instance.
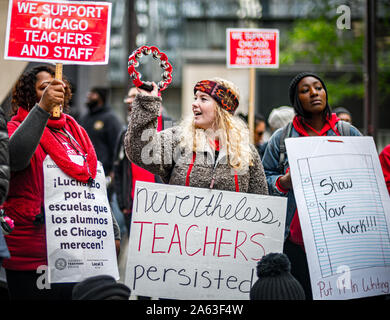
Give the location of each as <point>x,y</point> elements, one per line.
<point>275,280</point>
<point>293,91</point>
<point>101,287</point>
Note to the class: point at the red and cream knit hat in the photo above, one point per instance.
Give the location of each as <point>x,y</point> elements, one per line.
<point>225,97</point>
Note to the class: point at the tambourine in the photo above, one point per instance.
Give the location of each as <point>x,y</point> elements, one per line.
<point>164,64</point>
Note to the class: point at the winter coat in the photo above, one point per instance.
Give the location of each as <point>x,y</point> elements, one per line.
<point>161,154</point>
<point>27,185</point>
<point>4,175</point>
<point>4,158</point>
<point>127,173</point>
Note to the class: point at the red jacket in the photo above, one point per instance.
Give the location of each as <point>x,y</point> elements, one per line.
<point>384,159</point>
<point>27,242</point>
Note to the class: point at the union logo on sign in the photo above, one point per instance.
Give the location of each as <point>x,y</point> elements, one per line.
<point>60,264</point>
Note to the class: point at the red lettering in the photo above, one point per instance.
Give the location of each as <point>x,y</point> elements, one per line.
<point>156,238</point>
<point>175,230</point>
<point>217,242</point>
<point>236,247</point>
<point>185,244</point>
<point>251,238</point>
<point>140,233</point>
<point>206,243</point>
<point>221,242</point>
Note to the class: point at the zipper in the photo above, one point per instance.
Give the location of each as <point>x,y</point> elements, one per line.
<point>213,176</point>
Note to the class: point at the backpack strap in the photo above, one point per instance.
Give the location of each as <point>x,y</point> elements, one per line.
<point>344,128</point>
<point>282,146</point>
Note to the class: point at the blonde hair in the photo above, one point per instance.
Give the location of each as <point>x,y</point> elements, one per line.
<point>232,132</point>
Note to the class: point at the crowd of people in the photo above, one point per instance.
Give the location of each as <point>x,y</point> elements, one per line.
<point>215,152</point>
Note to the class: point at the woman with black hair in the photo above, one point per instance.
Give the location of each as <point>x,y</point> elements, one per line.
<point>309,97</point>
<point>35,134</point>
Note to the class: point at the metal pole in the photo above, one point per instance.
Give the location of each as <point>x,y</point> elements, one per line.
<point>370,72</point>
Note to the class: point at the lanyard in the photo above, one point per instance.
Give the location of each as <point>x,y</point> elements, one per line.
<point>68,135</point>
<point>79,150</point>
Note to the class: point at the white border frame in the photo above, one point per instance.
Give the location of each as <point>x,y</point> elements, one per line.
<point>273,66</point>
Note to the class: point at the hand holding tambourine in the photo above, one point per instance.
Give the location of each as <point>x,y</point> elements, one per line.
<point>135,76</point>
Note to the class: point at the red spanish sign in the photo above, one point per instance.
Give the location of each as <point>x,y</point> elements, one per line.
<point>58,31</point>
<point>256,48</point>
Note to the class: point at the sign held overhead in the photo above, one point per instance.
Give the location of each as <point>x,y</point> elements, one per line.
<point>257,48</point>
<point>58,31</point>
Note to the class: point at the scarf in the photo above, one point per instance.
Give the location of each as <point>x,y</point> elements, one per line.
<point>299,125</point>
<point>55,150</point>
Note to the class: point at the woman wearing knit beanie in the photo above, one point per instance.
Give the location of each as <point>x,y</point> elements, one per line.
<point>209,149</point>
<point>313,117</point>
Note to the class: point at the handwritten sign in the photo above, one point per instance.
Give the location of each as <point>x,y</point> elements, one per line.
<point>193,243</point>
<point>79,229</point>
<point>257,48</point>
<point>344,210</point>
<point>60,31</point>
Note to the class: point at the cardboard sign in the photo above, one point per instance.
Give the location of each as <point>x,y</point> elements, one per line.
<point>79,227</point>
<point>344,211</point>
<point>194,243</point>
<point>74,32</point>
<point>252,48</point>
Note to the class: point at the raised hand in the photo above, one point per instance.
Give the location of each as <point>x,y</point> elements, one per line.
<point>53,95</point>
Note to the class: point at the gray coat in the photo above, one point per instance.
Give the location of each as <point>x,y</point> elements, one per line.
<point>5,174</point>
<point>161,154</point>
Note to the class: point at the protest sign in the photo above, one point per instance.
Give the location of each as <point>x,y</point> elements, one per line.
<point>344,211</point>
<point>76,32</point>
<point>258,48</point>
<point>194,243</point>
<point>79,227</point>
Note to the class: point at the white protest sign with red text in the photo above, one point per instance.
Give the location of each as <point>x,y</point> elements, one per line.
<point>194,243</point>
<point>257,48</point>
<point>58,31</point>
